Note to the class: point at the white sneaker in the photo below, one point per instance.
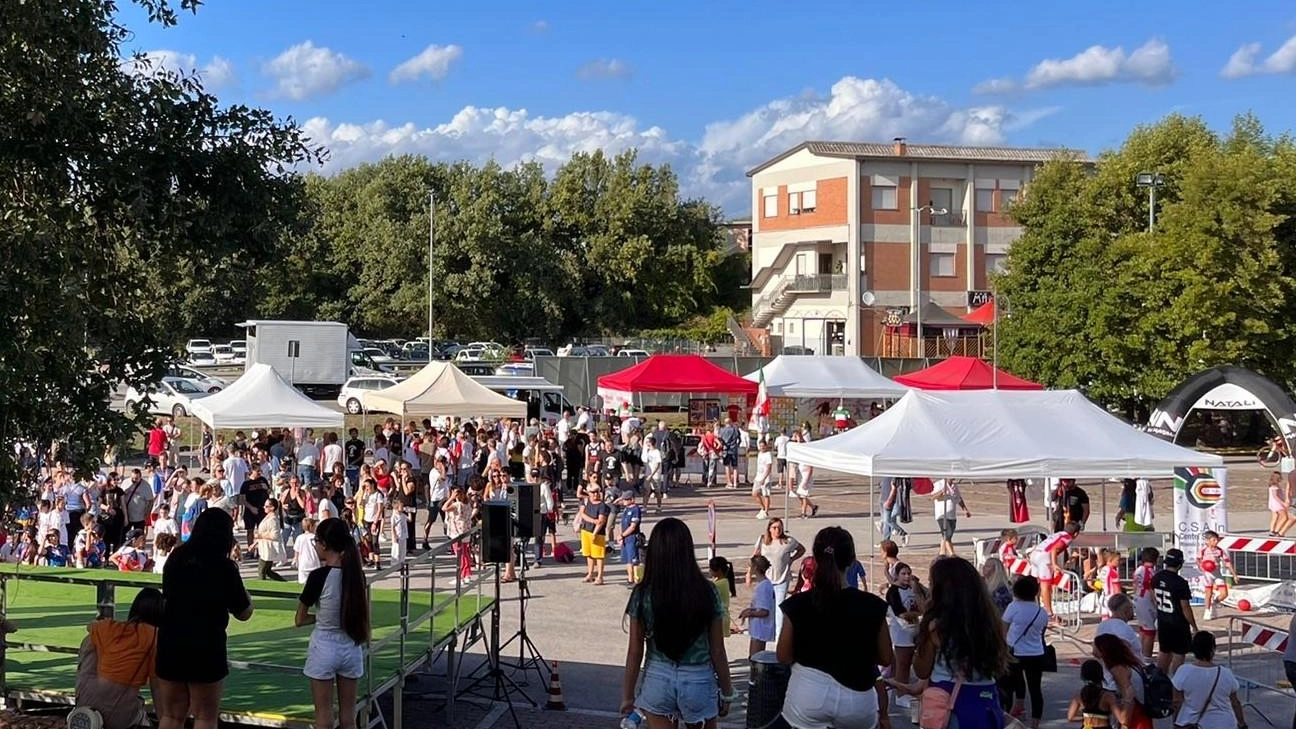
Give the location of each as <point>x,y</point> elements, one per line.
<point>904,539</point>
<point>877,524</point>
<point>762,514</point>
<point>1210,614</point>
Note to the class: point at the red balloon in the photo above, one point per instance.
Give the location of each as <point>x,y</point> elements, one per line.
<point>1208,565</point>
<point>1244,606</point>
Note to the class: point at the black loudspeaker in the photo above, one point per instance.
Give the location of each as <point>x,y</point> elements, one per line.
<point>528,510</point>
<point>497,532</point>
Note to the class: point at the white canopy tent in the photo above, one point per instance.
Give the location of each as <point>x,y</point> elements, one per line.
<point>442,389</point>
<point>260,397</point>
<point>821,376</point>
<point>998,434</point>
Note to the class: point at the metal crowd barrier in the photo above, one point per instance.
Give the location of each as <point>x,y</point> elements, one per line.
<point>415,652</point>
<point>1266,559</point>
<point>1255,651</point>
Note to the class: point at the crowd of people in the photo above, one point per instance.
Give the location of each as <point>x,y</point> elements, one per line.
<point>972,645</point>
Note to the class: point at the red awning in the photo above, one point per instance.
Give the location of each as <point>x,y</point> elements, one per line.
<point>677,373</point>
<point>983,314</point>
<point>964,373</point>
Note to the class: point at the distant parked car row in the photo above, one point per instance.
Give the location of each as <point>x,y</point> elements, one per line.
<point>204,352</point>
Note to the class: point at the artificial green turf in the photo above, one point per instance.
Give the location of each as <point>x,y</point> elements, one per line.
<point>56,614</point>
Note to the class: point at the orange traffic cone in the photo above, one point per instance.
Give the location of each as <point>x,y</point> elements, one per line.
<point>555,702</point>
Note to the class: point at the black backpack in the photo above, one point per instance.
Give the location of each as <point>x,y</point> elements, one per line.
<point>1158,692</point>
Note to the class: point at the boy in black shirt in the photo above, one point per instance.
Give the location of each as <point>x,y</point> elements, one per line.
<point>1175,621</point>
<point>354,450</point>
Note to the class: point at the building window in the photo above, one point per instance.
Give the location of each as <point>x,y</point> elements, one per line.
<point>884,198</point>
<point>1006,197</point>
<point>984,200</point>
<point>791,327</point>
<point>778,327</point>
<point>771,206</point>
<point>808,201</point>
<point>942,264</point>
<point>794,203</point>
<point>996,263</point>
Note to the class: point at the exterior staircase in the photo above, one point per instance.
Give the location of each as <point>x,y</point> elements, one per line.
<point>773,304</point>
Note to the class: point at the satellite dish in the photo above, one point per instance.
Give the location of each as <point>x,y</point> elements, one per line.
<point>868,298</point>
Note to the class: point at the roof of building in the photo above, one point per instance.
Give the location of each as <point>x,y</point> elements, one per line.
<point>939,152</point>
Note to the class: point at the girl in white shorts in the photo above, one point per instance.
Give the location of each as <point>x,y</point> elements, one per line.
<point>337,592</point>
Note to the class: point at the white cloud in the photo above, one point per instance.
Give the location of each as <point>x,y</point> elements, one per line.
<point>307,70</point>
<point>604,68</point>
<point>216,74</point>
<point>1149,64</point>
<point>1243,61</point>
<point>714,166</point>
<point>434,63</point>
<point>540,26</point>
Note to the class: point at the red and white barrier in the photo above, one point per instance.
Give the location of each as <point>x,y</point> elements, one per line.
<point>1022,566</point>
<point>1258,545</point>
<point>1264,636</point>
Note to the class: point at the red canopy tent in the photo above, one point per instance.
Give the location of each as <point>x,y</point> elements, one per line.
<point>671,373</point>
<point>965,373</point>
<point>983,314</point>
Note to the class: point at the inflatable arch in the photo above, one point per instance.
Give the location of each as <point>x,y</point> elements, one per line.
<point>1224,388</point>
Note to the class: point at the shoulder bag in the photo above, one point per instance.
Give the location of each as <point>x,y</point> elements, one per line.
<point>1205,704</point>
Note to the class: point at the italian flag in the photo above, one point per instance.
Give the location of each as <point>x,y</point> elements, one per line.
<point>760,412</point>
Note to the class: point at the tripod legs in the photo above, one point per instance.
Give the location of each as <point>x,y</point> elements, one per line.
<point>494,684</point>
<point>529,657</point>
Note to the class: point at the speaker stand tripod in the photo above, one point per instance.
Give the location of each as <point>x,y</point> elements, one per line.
<point>493,684</point>
<point>529,658</point>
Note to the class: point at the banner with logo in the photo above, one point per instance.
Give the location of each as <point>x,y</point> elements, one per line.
<point>1199,505</point>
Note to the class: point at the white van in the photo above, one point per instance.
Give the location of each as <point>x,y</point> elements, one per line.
<point>544,399</point>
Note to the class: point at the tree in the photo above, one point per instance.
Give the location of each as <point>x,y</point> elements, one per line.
<point>1099,302</point>
<point>122,183</point>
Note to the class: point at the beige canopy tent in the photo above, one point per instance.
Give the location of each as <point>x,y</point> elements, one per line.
<point>441,388</point>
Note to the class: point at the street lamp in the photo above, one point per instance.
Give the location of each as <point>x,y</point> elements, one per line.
<point>431,244</point>
<point>1150,180</point>
<point>917,229</point>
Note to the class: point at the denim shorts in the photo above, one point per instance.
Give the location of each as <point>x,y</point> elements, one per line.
<point>685,692</point>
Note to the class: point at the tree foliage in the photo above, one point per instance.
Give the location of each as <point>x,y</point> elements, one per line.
<point>1099,302</point>
<point>607,246</point>
<point>133,206</point>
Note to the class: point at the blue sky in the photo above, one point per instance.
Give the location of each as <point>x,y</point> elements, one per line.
<point>716,87</point>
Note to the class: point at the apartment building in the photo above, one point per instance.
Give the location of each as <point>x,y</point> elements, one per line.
<point>847,238</point>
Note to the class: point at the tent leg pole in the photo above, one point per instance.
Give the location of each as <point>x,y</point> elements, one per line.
<point>1104,502</point>
<point>871,530</point>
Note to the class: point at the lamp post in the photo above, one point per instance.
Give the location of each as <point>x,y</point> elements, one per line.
<point>917,231</point>
<point>431,244</point>
<point>1150,180</point>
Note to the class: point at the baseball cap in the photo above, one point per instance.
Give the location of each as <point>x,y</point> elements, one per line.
<point>629,494</point>
<point>1174,558</point>
<point>134,534</point>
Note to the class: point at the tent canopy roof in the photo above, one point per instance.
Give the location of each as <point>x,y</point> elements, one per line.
<point>997,434</point>
<point>676,373</point>
<point>983,314</point>
<point>814,376</point>
<point>261,398</point>
<point>934,315</point>
<point>964,373</point>
<point>441,388</point>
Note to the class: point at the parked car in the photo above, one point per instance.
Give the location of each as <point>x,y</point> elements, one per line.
<point>196,346</point>
<point>172,396</point>
<point>202,359</point>
<point>211,383</point>
<point>516,369</point>
<point>223,353</point>
<point>351,397</point>
<point>415,352</point>
<point>597,350</point>
<point>469,354</point>
<point>797,349</point>
<point>239,346</point>
<point>636,353</point>
<point>530,353</point>
<point>379,355</point>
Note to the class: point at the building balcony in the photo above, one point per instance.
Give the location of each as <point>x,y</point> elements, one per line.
<point>952,219</point>
<point>817,282</point>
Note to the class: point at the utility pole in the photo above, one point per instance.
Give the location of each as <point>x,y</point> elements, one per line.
<point>431,247</point>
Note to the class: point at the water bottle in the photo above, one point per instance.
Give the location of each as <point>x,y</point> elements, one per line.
<point>632,720</point>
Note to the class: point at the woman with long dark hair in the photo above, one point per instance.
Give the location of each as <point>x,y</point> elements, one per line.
<point>202,588</point>
<point>336,654</point>
<point>835,638</point>
<point>961,642</point>
<point>1126,671</point>
<point>674,613</point>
